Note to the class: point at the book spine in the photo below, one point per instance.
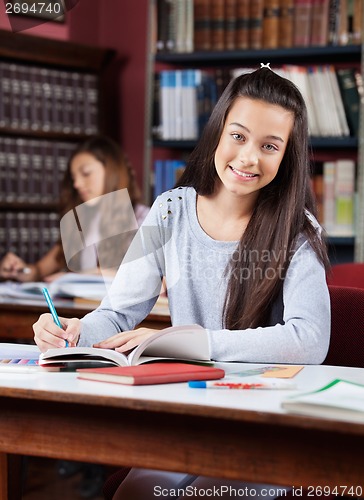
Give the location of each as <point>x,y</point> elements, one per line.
<point>357,22</point>
<point>15,97</point>
<point>77,122</point>
<point>178,104</point>
<point>270,24</point>
<point>242,24</point>
<point>350,97</point>
<point>25,98</point>
<point>156,114</point>
<point>202,25</point>
<point>171,26</point>
<point>286,20</point>
<point>302,23</point>
<point>334,15</point>
<point>36,107</point>
<point>344,197</point>
<point>23,173</point>
<point>343,28</point>
<point>3,240</point>
<point>189,44</point>
<point>180,23</point>
<point>6,94</point>
<point>11,165</point>
<point>217,24</point>
<point>2,107</point>
<point>90,106</point>
<point>320,23</point>
<point>159,176</point>
<point>344,127</point>
<point>256,24</point>
<point>46,102</point>
<point>329,196</point>
<point>163,8</point>
<point>3,172</point>
<point>37,172</point>
<point>230,24</point>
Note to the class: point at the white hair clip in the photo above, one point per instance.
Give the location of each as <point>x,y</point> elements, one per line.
<point>262,65</point>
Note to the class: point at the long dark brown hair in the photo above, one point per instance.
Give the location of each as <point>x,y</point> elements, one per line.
<point>257,269</point>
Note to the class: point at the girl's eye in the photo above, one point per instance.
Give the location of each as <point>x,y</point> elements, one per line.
<point>270,147</point>
<point>237,137</point>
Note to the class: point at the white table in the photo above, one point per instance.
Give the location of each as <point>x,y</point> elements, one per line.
<point>232,434</point>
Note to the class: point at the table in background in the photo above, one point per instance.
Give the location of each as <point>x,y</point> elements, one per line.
<point>231,434</point>
<point>17,316</point>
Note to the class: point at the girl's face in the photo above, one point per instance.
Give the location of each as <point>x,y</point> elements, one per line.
<point>252,145</point>
<point>88,176</point>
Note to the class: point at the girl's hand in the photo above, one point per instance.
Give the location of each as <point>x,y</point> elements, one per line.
<point>48,335</point>
<point>126,341</point>
<point>53,277</point>
<point>11,266</point>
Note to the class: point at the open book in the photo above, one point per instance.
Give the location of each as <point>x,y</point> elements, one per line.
<point>340,399</point>
<point>86,286</point>
<point>187,343</point>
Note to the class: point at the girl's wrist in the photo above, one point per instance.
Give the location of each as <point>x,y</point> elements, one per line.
<point>30,272</point>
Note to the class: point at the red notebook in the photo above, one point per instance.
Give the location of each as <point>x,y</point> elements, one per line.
<point>154,373</point>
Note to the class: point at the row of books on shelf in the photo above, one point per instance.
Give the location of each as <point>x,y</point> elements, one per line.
<point>194,25</point>
<point>336,197</point>
<point>184,99</point>
<point>47,100</point>
<point>332,97</point>
<point>31,170</point>
<point>28,234</point>
<point>183,102</point>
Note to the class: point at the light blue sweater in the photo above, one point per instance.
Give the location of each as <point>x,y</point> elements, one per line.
<point>171,243</point>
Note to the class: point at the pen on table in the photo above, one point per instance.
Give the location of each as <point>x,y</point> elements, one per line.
<point>208,384</point>
<point>52,309</point>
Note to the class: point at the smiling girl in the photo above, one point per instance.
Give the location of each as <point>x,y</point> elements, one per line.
<point>238,244</point>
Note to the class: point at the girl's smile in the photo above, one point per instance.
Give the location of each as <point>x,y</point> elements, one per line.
<point>247,176</point>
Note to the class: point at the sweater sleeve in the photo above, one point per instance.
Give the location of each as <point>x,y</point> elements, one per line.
<point>135,287</point>
<point>304,336</point>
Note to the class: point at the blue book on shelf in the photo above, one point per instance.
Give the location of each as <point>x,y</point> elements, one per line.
<point>174,169</point>
<point>159,175</point>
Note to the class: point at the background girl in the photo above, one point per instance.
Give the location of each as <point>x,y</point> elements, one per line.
<point>97,167</point>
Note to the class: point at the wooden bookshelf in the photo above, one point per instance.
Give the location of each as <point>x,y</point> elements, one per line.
<point>322,147</point>
<point>52,96</point>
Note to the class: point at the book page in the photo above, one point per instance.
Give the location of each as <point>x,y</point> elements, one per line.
<point>340,394</point>
<point>82,354</point>
<point>178,342</point>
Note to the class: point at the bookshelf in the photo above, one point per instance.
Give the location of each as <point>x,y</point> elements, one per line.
<point>221,62</point>
<point>51,98</point>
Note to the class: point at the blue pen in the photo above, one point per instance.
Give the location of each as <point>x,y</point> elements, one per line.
<point>52,309</point>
